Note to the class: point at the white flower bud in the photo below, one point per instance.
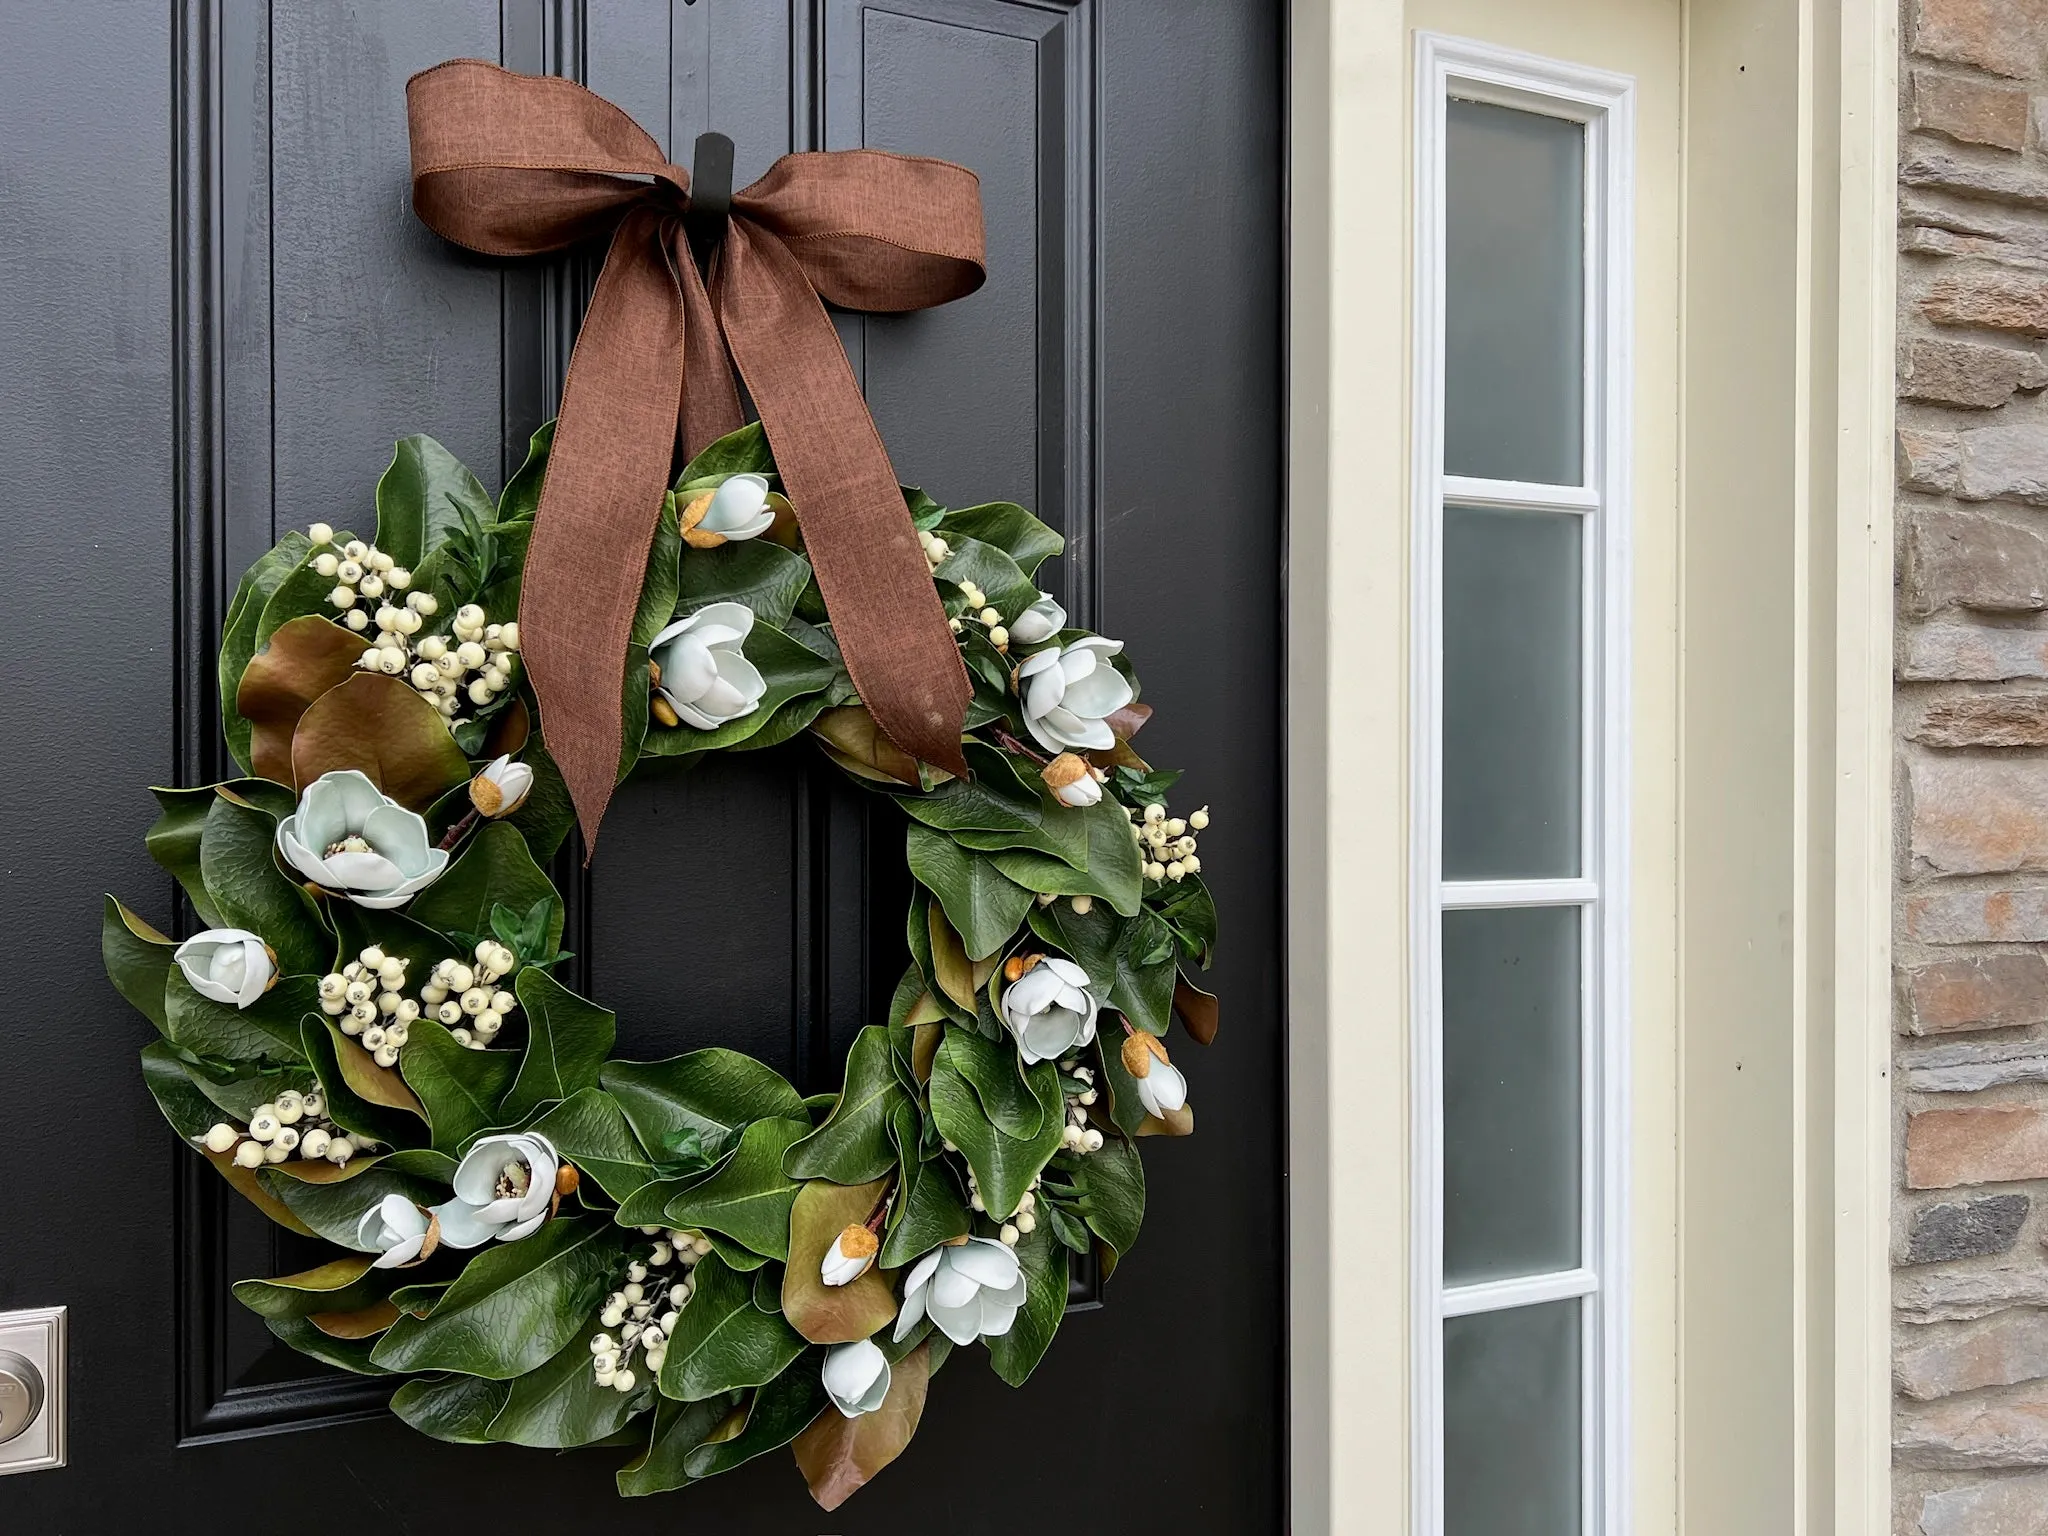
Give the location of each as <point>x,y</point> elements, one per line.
<point>391,661</point>
<point>458,977</point>
<point>1009,1234</point>
<point>470,654</point>
<point>1155,812</point>
<point>625,1381</point>
<point>276,1152</point>
<point>1092,1139</point>
<point>373,1038</point>
<point>358,992</point>
<point>363,1013</point>
<point>340,1150</point>
<point>510,635</point>
<point>1175,826</point>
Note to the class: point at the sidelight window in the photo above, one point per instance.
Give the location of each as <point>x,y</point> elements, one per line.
<point>1520,711</point>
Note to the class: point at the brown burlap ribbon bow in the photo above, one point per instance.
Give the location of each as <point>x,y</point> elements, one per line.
<point>516,165</point>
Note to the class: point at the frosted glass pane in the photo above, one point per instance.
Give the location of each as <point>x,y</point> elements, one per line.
<point>1511,1422</point>
<point>1514,294</point>
<point>1511,1092</point>
<point>1511,707</point>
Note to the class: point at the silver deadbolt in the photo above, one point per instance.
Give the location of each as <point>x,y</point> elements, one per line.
<point>21,1394</point>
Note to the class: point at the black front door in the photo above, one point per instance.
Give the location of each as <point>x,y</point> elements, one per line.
<point>217,312</point>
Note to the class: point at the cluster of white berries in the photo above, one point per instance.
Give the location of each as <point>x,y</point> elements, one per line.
<point>646,1308</point>
<point>1167,842</point>
<point>978,611</point>
<point>467,998</point>
<point>1079,1137</point>
<point>292,1122</point>
<point>364,573</point>
<point>1082,905</point>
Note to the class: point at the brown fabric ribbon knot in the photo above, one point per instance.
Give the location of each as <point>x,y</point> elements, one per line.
<point>518,165</point>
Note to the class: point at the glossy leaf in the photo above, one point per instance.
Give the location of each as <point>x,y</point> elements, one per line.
<point>722,1341</point>
<point>418,497</point>
<point>461,1091</point>
<point>237,862</point>
<point>590,1130</point>
<point>678,1429</point>
<point>996,800</point>
<point>362,1097</point>
<point>1111,1180</point>
<point>267,1030</point>
<point>833,1314</point>
<point>559,1405</point>
<point>928,1209</point>
<point>513,1307</point>
<point>996,1072</point>
<point>1113,871</point>
<point>547,814</point>
<point>1198,1010</point>
<point>1008,590</point>
<point>382,727</point>
<point>137,958</point>
<point>239,631</point>
<point>984,906</point>
<point>521,497</point>
<point>790,670</point>
<point>334,1208</point>
<point>1015,1355</point>
<point>340,1285</point>
<point>742,451</point>
<point>302,661</point>
<point>1097,942</point>
<point>775,1416</point>
<point>1004,1166</point>
<point>858,744</point>
<point>838,1455</point>
<point>951,969</point>
<point>458,1409</point>
<point>190,1113</point>
<point>853,1145</point>
<point>567,1040</point>
<point>748,1199</point>
<point>344,1354</point>
<point>494,869</point>
<point>713,1091</point>
<point>250,1188</point>
<point>755,573</point>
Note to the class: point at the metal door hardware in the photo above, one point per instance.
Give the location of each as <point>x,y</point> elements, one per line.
<point>31,1389</point>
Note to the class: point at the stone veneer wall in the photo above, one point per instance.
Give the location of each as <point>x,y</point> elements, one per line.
<point>1970,1292</point>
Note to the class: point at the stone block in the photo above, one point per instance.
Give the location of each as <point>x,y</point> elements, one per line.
<point>1975,230</point>
<point>1979,816</point>
<point>1984,1144</point>
<point>2000,915</point>
<point>1985,720</point>
<point>2004,464</point>
<point>1967,374</point>
<point>1953,559</point>
<point>2001,1351</point>
<point>1995,300</point>
<point>1959,1294</point>
<point>1970,653</point>
<point>2009,1430</point>
<point>1929,461</point>
<point>1966,1229</point>
<point>2006,37</point>
<point>1995,183</point>
<point>1970,111</point>
<point>1976,992</point>
<point>2005,1506</point>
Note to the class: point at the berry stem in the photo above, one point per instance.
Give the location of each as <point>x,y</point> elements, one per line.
<point>454,834</point>
<point>1010,743</point>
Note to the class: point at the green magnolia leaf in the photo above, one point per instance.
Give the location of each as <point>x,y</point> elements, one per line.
<point>173,841</point>
<point>547,814</point>
<point>853,1145</point>
<point>421,498</point>
<point>713,1091</point>
<point>1016,1354</point>
<point>356,928</point>
<point>1097,941</point>
<point>366,1100</point>
<point>996,799</point>
<point>513,1307</point>
<point>495,868</point>
<point>237,862</point>
<point>560,1405</point>
<point>722,1341</point>
<point>1008,590</point>
<point>833,1314</point>
<point>138,960</point>
<point>590,1130</point>
<point>778,1413</point>
<point>301,590</point>
<point>1004,1166</point>
<point>789,669</point>
<point>567,1041</point>
<point>838,1456</point>
<point>756,573</point>
<point>744,451</point>
<point>334,1208</point>
<point>340,1285</point>
<point>687,1152</point>
<point>458,1409</point>
<point>238,1089</point>
<point>679,1428</point>
<point>656,606</point>
<point>191,1113</point>
<point>996,1072</point>
<point>463,1091</point>
<point>1111,1180</point>
<point>521,497</point>
<point>238,633</point>
<point>1126,1110</point>
<point>749,1198</point>
<point>344,1354</point>
<point>1190,911</point>
<point>647,1206</point>
<point>1111,868</point>
<point>1008,527</point>
<point>928,1209</point>
<point>267,1030</point>
<point>983,904</point>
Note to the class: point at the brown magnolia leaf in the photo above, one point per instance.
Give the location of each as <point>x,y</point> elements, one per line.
<point>379,1085</point>
<point>304,659</point>
<point>1128,721</point>
<point>1106,1257</point>
<point>1179,1123</point>
<point>379,725</point>
<point>510,728</point>
<point>1197,1009</point>
<point>783,530</point>
<point>924,1047</point>
<point>320,1171</point>
<point>850,731</point>
<point>363,1323</point>
<point>925,1010</point>
<point>833,1314</point>
<point>955,973</point>
<point>250,1188</point>
<point>838,1455</point>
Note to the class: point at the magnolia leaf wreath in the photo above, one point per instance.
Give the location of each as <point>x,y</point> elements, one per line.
<point>558,1248</point>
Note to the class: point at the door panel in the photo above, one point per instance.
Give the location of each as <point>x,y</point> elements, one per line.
<point>203,356</point>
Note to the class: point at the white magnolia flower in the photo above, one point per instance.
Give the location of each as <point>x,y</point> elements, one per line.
<point>848,1258</point>
<point>971,1290</point>
<point>1069,691</point>
<point>228,965</point>
<point>396,1229</point>
<point>1071,780</point>
<point>501,788</point>
<point>504,1189</point>
<point>856,1377</point>
<point>1161,1087</point>
<point>350,838</point>
<point>739,509</point>
<point>1050,1009</point>
<point>705,676</point>
<point>1041,621</point>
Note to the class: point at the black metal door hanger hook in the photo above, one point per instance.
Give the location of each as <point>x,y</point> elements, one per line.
<point>710,194</point>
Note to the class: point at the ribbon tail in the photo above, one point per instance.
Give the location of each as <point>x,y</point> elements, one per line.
<point>885,610</point>
<point>598,509</point>
<point>711,400</point>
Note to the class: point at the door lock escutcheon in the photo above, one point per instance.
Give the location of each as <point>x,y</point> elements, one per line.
<point>21,1394</point>
<point>32,1390</point>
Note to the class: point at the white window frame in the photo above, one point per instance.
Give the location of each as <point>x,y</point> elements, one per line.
<point>1448,67</point>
